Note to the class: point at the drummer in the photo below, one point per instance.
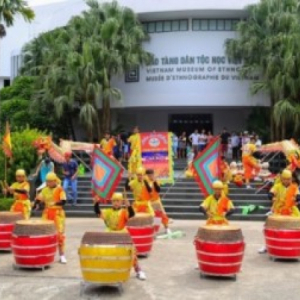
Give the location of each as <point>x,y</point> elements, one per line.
<point>115,220</point>
<point>285,197</point>
<point>217,206</point>
<point>141,192</point>
<point>155,199</point>
<point>54,197</point>
<point>20,191</point>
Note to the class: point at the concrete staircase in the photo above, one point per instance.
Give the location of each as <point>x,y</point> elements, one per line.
<point>181,201</point>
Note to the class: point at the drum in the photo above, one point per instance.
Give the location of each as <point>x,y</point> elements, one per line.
<point>141,230</point>
<point>34,243</point>
<point>282,234</point>
<point>220,250</point>
<point>7,223</point>
<point>106,257</point>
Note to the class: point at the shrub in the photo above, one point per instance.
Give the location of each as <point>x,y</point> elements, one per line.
<point>24,154</point>
<point>5,204</point>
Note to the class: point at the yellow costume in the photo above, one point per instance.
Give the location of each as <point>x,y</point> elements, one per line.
<point>135,153</point>
<point>216,209</point>
<point>22,202</point>
<point>285,199</point>
<point>56,213</point>
<point>141,197</point>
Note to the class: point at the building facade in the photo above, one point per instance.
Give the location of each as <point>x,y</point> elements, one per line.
<point>190,83</point>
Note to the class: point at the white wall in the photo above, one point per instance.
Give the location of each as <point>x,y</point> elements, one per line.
<point>165,89</point>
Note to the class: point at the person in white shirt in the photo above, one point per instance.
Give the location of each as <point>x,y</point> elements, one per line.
<point>258,142</point>
<point>194,138</point>
<point>235,142</point>
<point>202,140</point>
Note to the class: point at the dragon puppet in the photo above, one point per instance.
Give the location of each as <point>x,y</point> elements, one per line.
<point>289,148</point>
<point>45,144</point>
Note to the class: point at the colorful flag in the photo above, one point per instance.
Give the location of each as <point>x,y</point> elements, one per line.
<point>156,152</point>
<point>207,166</point>
<point>7,148</point>
<point>106,175</point>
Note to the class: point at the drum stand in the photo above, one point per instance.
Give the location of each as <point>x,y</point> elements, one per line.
<point>20,267</point>
<point>85,284</point>
<point>204,275</point>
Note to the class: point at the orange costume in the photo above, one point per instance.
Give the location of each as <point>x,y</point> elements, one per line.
<point>107,145</point>
<point>54,212</point>
<point>20,191</point>
<point>156,202</point>
<point>249,162</point>
<point>294,161</point>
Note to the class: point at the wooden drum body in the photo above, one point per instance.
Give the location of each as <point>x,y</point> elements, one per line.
<point>7,224</point>
<point>106,257</point>
<point>34,243</point>
<point>220,250</point>
<point>282,234</point>
<point>141,230</point>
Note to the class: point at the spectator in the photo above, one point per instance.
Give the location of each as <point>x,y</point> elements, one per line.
<point>258,142</point>
<point>46,166</point>
<point>224,141</point>
<point>240,145</point>
<point>175,141</point>
<point>209,137</point>
<point>194,138</point>
<point>235,143</point>
<point>70,170</point>
<point>245,139</point>
<point>202,140</point>
<point>118,148</point>
<point>182,145</point>
<point>125,150</point>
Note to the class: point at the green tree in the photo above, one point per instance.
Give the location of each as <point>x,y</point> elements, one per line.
<point>268,44</point>
<point>75,64</point>
<point>9,9</point>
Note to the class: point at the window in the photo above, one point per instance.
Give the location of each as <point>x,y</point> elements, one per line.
<point>6,82</point>
<point>214,24</point>
<point>166,26</point>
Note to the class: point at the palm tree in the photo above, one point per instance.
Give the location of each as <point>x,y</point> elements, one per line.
<point>9,9</point>
<point>268,44</point>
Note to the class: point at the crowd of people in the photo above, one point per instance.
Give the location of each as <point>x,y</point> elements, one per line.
<point>231,143</point>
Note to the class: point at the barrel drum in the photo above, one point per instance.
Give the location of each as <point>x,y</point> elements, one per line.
<point>220,250</point>
<point>34,243</point>
<point>7,223</point>
<point>141,230</point>
<point>106,257</point>
<point>282,235</point>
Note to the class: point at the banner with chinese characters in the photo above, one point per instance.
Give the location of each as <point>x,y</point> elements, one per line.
<point>156,154</point>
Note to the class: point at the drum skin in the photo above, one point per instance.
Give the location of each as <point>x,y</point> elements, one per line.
<point>106,264</point>
<point>5,236</point>
<point>143,237</point>
<point>219,258</point>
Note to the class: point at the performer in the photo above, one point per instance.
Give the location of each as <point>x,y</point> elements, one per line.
<point>294,160</point>
<point>225,174</point>
<point>156,201</point>
<point>285,197</point>
<point>217,206</point>
<point>20,191</point>
<point>135,151</point>
<point>141,192</point>
<point>249,162</point>
<point>54,197</point>
<point>107,144</point>
<point>115,220</point>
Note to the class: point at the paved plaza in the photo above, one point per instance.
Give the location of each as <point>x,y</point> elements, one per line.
<point>170,270</point>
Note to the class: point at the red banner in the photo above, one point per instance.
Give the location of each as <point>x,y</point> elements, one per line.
<point>157,154</point>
